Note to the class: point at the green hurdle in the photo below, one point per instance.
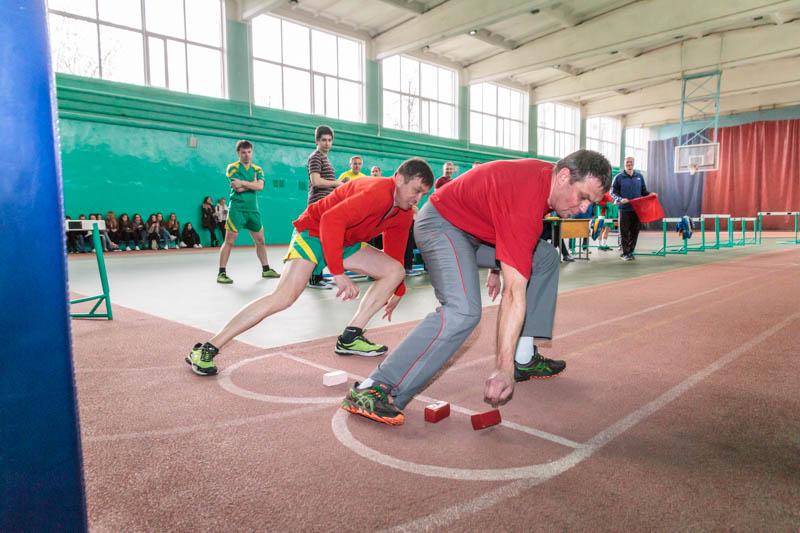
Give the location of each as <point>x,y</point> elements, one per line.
<point>743,241</point>
<point>703,246</point>
<point>668,249</point>
<point>774,213</point>
<point>106,296</point>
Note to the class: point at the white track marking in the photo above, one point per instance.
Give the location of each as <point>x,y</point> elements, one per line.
<point>461,510</point>
<point>198,427</point>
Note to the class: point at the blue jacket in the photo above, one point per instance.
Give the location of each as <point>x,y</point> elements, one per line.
<point>630,187</point>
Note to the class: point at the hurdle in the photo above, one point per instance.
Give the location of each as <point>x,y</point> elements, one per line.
<point>682,249</point>
<point>774,213</point>
<point>76,225</point>
<point>703,246</point>
<point>743,241</point>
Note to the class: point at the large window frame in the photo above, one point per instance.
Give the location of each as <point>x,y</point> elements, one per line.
<point>490,124</point>
<point>330,91</point>
<point>152,65</point>
<point>558,129</point>
<point>636,146</point>
<point>416,109</point>
<point>604,135</point>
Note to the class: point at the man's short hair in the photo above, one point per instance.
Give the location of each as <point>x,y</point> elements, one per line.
<point>448,163</point>
<point>322,130</point>
<point>243,145</point>
<point>416,168</point>
<point>586,162</point>
<point>356,157</point>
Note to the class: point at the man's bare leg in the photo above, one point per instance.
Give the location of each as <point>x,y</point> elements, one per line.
<point>261,246</point>
<point>289,288</point>
<point>387,273</point>
<point>227,246</point>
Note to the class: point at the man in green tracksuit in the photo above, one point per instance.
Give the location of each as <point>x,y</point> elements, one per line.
<point>246,179</point>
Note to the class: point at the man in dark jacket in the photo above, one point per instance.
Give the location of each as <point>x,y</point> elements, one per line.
<point>627,186</point>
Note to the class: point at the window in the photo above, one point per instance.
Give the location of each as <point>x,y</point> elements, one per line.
<point>498,116</point>
<point>636,140</point>
<point>603,135</point>
<point>302,69</point>
<point>419,97</point>
<point>558,129</point>
<point>175,44</point>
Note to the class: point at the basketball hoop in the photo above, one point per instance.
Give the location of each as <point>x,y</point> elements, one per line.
<point>692,169</point>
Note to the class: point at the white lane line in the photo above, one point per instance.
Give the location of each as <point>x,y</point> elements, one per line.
<point>461,510</point>
<point>198,427</point>
<point>474,362</point>
<point>138,369</point>
<point>226,383</point>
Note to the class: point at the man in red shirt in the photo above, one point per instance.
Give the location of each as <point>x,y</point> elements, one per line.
<point>492,213</point>
<point>333,231</point>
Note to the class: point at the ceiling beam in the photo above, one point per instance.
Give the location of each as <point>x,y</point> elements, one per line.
<point>743,80</point>
<point>253,8</point>
<point>494,39</point>
<point>410,5</point>
<point>448,20</point>
<point>782,97</point>
<point>561,14</point>
<point>724,50</point>
<point>615,31</point>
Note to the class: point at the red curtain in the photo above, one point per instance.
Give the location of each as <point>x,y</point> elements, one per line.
<point>759,170</point>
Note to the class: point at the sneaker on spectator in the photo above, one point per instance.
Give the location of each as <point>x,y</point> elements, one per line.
<point>153,245</point>
<point>196,246</point>
<point>183,244</point>
<point>137,248</point>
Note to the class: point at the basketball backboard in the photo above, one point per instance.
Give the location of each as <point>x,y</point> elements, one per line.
<point>693,158</point>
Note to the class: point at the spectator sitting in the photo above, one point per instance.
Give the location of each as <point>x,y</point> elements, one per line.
<point>74,239</point>
<point>174,228</point>
<point>153,231</point>
<point>139,230</point>
<point>190,236</point>
<point>126,232</point>
<point>112,227</point>
<point>163,233</point>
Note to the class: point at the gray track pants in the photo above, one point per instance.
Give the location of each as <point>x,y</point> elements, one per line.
<point>452,258</point>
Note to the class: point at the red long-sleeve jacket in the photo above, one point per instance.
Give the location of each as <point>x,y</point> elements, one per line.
<point>356,212</point>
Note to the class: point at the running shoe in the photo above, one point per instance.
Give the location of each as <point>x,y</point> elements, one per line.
<point>269,273</point>
<point>222,277</point>
<point>319,284</point>
<point>539,367</point>
<point>201,359</point>
<point>373,403</point>
<point>360,346</point>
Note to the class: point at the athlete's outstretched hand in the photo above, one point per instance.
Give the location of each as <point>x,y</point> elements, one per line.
<point>499,387</point>
<point>390,305</point>
<point>347,289</point>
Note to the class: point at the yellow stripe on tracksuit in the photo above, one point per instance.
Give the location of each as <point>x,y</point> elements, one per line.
<point>230,225</point>
<point>293,254</point>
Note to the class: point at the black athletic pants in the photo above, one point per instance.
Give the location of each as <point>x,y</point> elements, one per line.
<point>629,227</point>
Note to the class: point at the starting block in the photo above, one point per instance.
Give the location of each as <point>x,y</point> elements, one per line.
<point>334,378</point>
<point>484,420</point>
<point>437,411</point>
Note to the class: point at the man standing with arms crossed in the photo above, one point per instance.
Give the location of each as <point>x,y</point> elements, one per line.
<point>246,179</point>
<point>334,232</point>
<point>492,213</point>
<point>628,185</point>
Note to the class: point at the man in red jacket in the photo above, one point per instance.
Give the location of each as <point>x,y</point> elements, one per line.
<point>334,232</point>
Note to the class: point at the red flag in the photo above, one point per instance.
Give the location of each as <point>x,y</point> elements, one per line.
<point>648,208</point>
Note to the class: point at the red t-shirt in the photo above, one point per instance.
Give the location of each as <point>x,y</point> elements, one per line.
<point>501,203</point>
<point>356,212</point>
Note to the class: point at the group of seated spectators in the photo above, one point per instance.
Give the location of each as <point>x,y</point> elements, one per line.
<point>126,233</point>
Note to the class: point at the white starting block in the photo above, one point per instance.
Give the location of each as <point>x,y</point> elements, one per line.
<point>334,378</point>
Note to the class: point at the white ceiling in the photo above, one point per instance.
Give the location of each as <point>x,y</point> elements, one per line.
<point>618,58</point>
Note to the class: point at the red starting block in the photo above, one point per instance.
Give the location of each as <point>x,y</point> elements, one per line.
<point>484,420</point>
<point>437,411</point>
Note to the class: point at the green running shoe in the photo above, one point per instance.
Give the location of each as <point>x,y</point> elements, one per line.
<point>201,358</point>
<point>270,273</point>
<point>373,403</point>
<point>222,277</point>
<point>538,368</point>
<point>360,346</point>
